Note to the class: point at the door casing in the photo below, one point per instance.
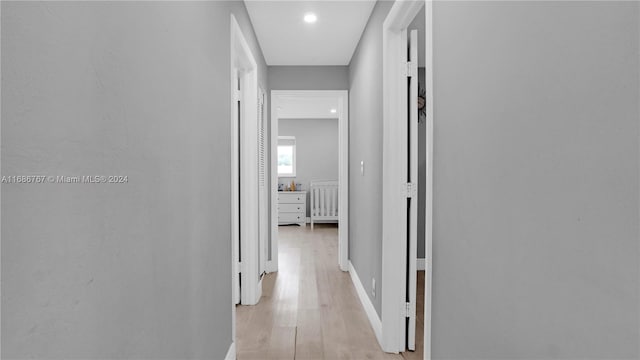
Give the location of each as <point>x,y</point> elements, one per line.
<point>343,169</point>
<point>244,183</point>
<point>394,247</point>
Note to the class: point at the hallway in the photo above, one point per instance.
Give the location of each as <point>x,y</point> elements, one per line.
<point>309,309</point>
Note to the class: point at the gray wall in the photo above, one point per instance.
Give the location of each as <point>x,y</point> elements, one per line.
<point>365,144</point>
<point>135,270</point>
<point>316,150</point>
<point>536,180</point>
<point>308,77</point>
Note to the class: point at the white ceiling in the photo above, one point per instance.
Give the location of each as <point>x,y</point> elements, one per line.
<point>307,107</point>
<point>286,39</point>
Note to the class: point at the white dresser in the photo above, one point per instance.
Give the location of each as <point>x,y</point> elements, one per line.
<point>292,207</point>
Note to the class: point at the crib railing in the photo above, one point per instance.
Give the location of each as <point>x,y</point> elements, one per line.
<point>324,201</point>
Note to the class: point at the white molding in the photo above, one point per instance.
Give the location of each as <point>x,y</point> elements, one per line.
<point>428,221</point>
<point>271,267</point>
<point>343,181</point>
<point>235,229</point>
<point>343,168</point>
<point>273,263</point>
<point>231,353</point>
<point>420,264</point>
<point>369,309</point>
<point>394,245</point>
<point>235,235</point>
<point>243,64</point>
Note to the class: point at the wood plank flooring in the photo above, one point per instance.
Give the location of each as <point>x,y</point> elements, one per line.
<point>309,309</point>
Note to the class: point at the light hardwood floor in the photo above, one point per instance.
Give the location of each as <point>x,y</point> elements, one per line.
<point>309,309</point>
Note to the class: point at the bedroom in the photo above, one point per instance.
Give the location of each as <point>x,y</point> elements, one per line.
<point>308,154</point>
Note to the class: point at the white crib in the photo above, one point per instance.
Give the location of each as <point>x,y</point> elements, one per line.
<point>324,201</point>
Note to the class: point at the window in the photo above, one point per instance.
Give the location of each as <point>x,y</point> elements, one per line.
<point>286,156</point>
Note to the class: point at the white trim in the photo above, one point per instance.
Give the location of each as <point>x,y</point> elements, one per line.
<point>231,353</point>
<point>243,65</point>
<point>343,181</point>
<point>420,264</point>
<point>235,237</point>
<point>394,246</point>
<point>343,169</point>
<point>272,265</point>
<point>428,220</point>
<point>369,309</point>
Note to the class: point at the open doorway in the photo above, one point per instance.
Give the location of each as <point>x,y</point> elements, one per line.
<point>308,197</point>
<point>245,171</point>
<point>408,94</point>
<point>417,118</point>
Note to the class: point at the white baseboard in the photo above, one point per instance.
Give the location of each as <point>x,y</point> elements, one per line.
<point>231,353</point>
<point>374,319</point>
<point>420,264</point>
<point>308,220</point>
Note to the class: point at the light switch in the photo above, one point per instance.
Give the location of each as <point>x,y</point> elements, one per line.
<point>373,287</point>
<point>362,167</point>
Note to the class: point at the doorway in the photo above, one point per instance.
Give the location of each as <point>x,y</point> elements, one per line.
<point>400,193</point>
<point>337,110</point>
<point>245,180</point>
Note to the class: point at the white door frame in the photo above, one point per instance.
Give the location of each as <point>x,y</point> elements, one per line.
<point>393,239</point>
<point>343,172</point>
<point>244,186</point>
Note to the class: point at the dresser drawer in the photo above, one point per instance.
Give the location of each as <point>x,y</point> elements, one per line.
<point>291,218</point>
<point>291,198</point>
<point>291,208</point>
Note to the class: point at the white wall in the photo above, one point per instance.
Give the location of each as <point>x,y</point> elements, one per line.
<point>536,180</point>
<point>316,150</point>
<point>114,271</point>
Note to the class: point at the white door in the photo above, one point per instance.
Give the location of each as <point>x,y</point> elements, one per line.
<point>235,186</point>
<point>412,179</point>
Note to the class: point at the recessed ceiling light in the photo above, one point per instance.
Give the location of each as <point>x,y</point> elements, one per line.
<point>333,111</point>
<point>310,18</point>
